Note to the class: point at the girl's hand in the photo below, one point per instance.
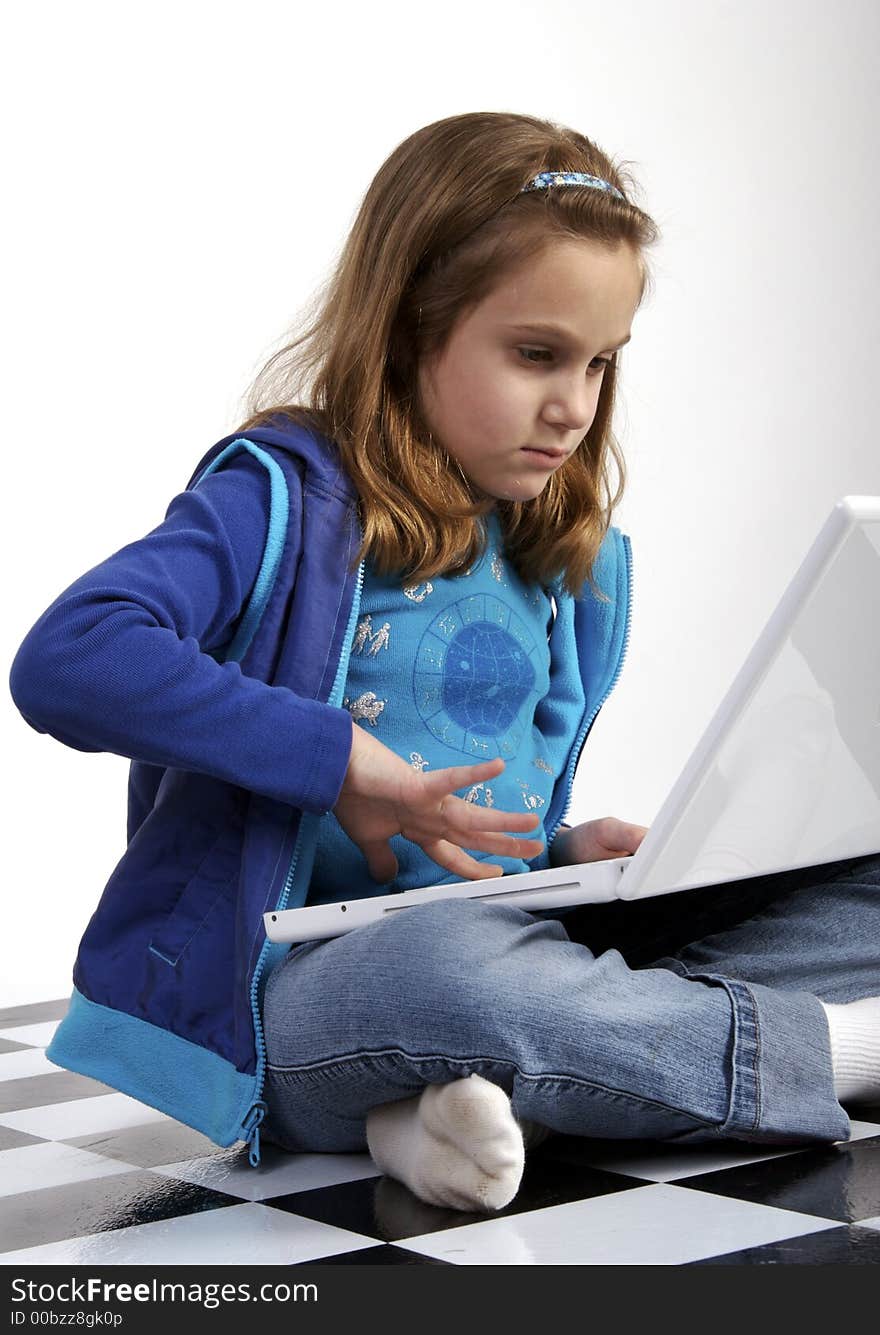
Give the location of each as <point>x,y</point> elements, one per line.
<point>382,796</point>
<point>595,840</point>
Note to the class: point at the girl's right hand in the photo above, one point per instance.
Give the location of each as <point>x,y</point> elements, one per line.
<point>382,796</point>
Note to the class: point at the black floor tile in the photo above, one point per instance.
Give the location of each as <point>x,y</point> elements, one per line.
<point>7,1045</point>
<point>10,1139</point>
<point>849,1245</point>
<point>151,1144</point>
<point>37,1091</point>
<point>34,1013</point>
<point>382,1255</point>
<point>97,1205</point>
<point>383,1207</point>
<point>834,1182</point>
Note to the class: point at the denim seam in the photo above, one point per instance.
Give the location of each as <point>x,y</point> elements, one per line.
<point>636,1099</point>
<point>745,1082</point>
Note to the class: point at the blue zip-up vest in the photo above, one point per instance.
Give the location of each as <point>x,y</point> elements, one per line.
<point>171,1015</point>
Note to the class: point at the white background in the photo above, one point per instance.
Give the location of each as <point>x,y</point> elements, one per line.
<point>179,179</point>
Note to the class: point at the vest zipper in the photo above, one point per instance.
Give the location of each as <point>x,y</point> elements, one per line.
<point>582,738</point>
<point>251,1131</point>
<point>250,1127</point>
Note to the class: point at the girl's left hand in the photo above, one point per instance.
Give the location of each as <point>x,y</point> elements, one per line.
<point>594,840</point>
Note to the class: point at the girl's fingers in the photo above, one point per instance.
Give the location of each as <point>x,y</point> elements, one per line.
<point>441,784</point>
<point>456,860</point>
<point>442,781</point>
<point>381,863</point>
<point>496,841</point>
<point>473,817</point>
<point>508,846</point>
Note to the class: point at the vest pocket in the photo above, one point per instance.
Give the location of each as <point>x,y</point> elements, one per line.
<point>214,882</point>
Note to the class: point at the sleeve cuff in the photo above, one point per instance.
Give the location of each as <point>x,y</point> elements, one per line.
<point>330,757</point>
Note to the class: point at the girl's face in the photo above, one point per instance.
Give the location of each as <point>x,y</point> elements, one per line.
<point>499,392</point>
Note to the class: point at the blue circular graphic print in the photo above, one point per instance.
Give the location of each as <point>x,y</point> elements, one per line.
<point>475,680</point>
<point>486,679</point>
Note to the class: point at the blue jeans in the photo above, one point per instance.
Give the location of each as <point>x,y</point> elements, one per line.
<point>688,1017</point>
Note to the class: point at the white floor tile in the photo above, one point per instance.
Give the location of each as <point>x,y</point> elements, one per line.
<point>293,1172</point>
<point>30,1061</point>
<point>81,1117</point>
<point>40,1035</point>
<point>670,1163</point>
<point>656,1225</point>
<point>35,1167</point>
<point>861,1131</point>
<point>232,1235</point>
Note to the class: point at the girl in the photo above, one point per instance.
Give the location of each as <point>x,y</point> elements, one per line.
<point>364,650</point>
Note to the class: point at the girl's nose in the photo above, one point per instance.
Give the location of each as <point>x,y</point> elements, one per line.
<point>575,416</point>
<point>572,406</point>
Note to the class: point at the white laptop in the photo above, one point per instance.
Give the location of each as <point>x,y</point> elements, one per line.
<point>786,775</point>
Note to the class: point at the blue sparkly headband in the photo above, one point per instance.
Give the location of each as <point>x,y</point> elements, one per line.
<point>543,179</point>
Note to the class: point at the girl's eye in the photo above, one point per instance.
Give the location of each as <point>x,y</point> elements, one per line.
<point>598,362</point>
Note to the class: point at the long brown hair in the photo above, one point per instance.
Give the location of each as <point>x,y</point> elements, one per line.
<point>441,223</point>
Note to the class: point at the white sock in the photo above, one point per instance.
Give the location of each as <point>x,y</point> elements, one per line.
<point>854,1030</point>
<point>457,1144</point>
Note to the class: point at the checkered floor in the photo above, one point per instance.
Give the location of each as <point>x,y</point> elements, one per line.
<point>90,1176</point>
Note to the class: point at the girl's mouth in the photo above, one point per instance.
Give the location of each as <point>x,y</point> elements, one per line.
<point>542,458</point>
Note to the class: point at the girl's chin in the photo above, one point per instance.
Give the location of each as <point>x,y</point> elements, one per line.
<point>522,489</point>
<point>517,487</point>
